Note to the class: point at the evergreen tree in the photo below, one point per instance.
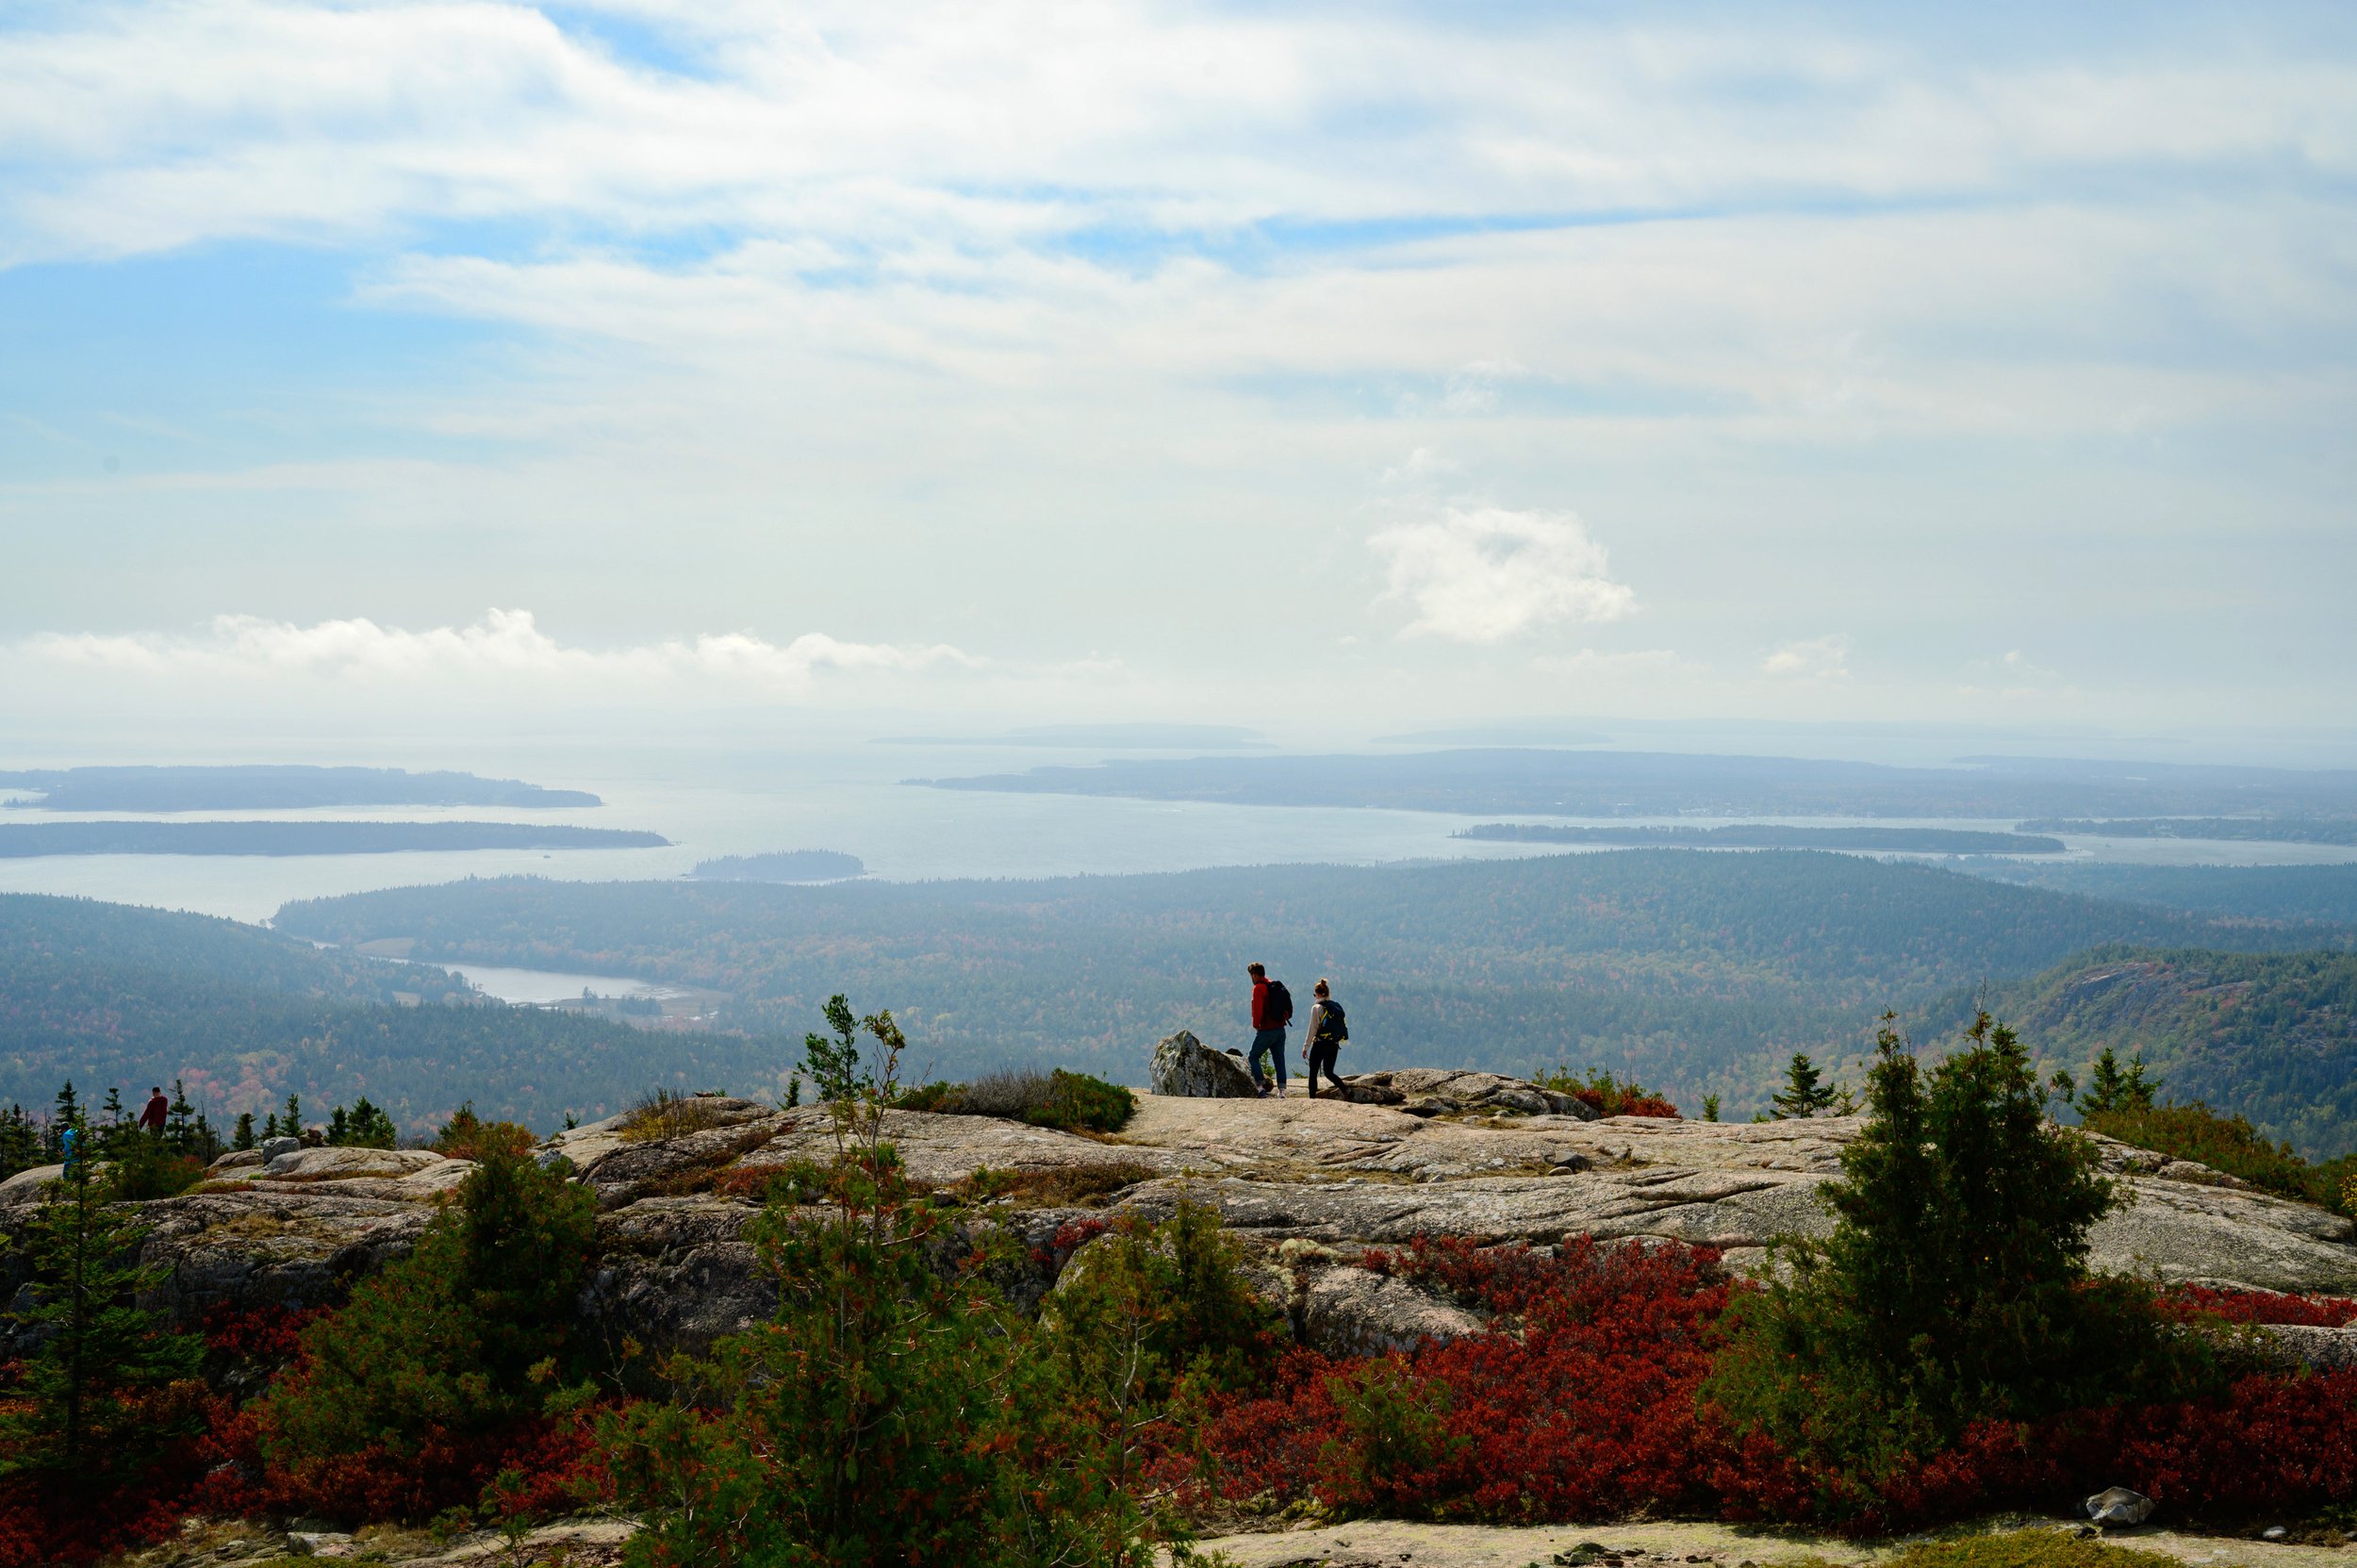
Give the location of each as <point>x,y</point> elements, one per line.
<point>464,1335</point>
<point>1805,1094</point>
<point>110,1119</point>
<point>2115,1089</point>
<point>66,1113</point>
<point>179,1122</point>
<point>290,1125</point>
<point>1954,1286</point>
<point>20,1148</point>
<point>88,1402</point>
<point>1710,1108</point>
<point>244,1136</point>
<point>365,1125</point>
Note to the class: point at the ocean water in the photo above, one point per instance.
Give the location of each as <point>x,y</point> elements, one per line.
<point>852,798</point>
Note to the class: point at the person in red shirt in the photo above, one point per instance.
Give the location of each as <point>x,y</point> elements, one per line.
<point>151,1118</point>
<point>1272,1010</point>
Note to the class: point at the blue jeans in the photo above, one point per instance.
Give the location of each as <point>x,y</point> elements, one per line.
<point>1268,1040</point>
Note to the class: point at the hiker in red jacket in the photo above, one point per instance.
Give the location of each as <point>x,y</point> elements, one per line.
<point>152,1120</point>
<point>1272,1010</point>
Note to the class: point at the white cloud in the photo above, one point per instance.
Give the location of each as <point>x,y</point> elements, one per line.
<point>506,645</point>
<point>1825,658</point>
<point>1487,574</point>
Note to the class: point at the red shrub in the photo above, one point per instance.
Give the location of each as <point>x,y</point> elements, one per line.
<point>2248,1306</point>
<point>1589,1410</point>
<point>1633,1105</point>
<point>267,1334</point>
<point>555,1464</point>
<point>1580,1403</point>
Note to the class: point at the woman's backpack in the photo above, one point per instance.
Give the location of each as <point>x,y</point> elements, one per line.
<point>1331,1024</point>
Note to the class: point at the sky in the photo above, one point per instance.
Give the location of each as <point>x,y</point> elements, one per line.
<point>1301,367</point>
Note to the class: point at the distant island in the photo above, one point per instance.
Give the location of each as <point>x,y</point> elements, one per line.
<point>2266,830</point>
<point>1554,781</point>
<point>1756,835</point>
<point>1107,738</point>
<point>24,841</point>
<point>781,865</point>
<point>272,788</point>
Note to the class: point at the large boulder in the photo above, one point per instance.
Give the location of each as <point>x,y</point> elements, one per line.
<point>1184,1066</point>
<point>1351,1310</point>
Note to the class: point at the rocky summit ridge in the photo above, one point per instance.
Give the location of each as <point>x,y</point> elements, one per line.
<point>1308,1185</point>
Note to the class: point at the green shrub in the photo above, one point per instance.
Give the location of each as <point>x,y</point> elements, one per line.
<point>1078,1102</point>
<point>468,1332</point>
<point>927,1097</point>
<point>1162,1304</point>
<point>1954,1286</point>
<point>1068,1101</point>
<point>142,1168</point>
<point>892,1413</point>
<point>1395,1426</point>
<point>666,1114</point>
<point>2230,1144</point>
<point>467,1136</point>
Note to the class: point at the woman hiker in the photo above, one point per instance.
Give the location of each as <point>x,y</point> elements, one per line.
<point>1328,1028</point>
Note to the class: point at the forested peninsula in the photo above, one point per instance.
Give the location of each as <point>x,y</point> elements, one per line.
<point>273,787</point>
<point>26,840</point>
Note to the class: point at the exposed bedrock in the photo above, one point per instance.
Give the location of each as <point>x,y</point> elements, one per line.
<point>1307,1185</point>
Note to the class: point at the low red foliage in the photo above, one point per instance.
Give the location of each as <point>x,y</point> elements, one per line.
<point>1580,1403</point>
<point>2248,1306</point>
<point>2276,1443</point>
<point>1589,1410</point>
<point>1636,1105</point>
<point>272,1334</point>
<point>1073,1234</point>
<point>556,1469</point>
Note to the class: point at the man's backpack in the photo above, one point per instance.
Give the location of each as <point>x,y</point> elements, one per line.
<point>1331,1024</point>
<point>1278,1005</point>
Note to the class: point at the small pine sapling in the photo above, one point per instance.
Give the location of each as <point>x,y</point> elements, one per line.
<point>95,1397</point>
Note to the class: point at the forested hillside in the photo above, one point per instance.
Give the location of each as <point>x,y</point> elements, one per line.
<point>115,996</point>
<point>2271,1036</point>
<point>1696,972</point>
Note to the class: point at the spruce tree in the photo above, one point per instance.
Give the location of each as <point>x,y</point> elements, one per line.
<point>2115,1089</point>
<point>290,1125</point>
<point>67,1111</point>
<point>19,1148</point>
<point>179,1123</point>
<point>1954,1286</point>
<point>84,1409</point>
<point>368,1127</point>
<point>1804,1091</point>
<point>244,1136</point>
